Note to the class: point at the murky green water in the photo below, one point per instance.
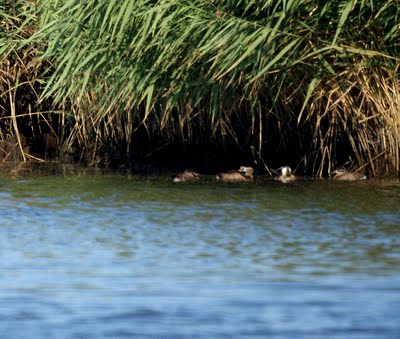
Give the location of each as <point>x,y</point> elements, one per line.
<point>110,256</point>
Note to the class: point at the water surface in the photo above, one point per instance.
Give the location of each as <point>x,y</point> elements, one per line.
<point>86,256</point>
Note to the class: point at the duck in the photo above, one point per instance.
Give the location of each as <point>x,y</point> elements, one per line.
<point>342,174</point>
<point>286,175</point>
<point>244,173</point>
<point>187,175</point>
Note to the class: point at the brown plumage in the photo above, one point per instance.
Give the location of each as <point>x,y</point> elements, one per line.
<point>187,175</point>
<point>342,174</point>
<point>242,174</point>
<point>286,175</point>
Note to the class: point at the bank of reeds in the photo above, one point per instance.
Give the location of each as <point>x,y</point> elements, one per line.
<point>24,119</point>
<point>311,83</point>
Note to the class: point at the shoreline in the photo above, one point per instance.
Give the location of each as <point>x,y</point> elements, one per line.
<point>18,170</point>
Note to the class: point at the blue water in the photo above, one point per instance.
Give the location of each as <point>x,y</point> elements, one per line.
<point>108,256</point>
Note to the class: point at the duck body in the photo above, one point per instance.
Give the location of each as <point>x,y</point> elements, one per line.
<point>187,175</point>
<point>286,175</point>
<point>241,175</point>
<point>342,174</point>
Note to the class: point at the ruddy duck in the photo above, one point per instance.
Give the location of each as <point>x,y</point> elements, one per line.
<point>343,174</point>
<point>187,175</point>
<point>242,174</point>
<point>286,175</point>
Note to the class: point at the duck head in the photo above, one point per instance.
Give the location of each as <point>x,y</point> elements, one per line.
<point>286,171</point>
<point>247,171</point>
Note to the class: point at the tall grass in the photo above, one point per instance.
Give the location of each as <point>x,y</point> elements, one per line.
<point>311,83</point>
<point>22,115</point>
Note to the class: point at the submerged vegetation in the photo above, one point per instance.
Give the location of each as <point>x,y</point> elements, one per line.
<point>313,84</point>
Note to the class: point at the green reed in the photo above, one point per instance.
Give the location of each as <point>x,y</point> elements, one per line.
<point>312,83</point>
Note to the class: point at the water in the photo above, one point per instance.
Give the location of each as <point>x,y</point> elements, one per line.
<point>110,256</point>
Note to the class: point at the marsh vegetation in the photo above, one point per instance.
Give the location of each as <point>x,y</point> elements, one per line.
<point>205,84</point>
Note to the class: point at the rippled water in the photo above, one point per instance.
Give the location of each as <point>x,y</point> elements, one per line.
<point>113,256</point>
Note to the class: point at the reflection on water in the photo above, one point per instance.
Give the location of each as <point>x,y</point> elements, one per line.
<point>111,256</point>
